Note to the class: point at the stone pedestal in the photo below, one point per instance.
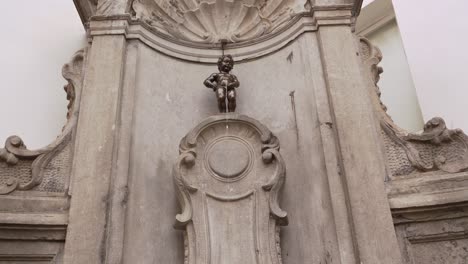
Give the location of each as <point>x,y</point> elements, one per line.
<point>228,177</point>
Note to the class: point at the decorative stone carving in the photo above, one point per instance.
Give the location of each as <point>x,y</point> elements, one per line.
<point>433,235</point>
<point>111,7</point>
<point>194,30</point>
<point>44,169</point>
<point>437,148</point>
<point>228,177</point>
<point>373,56</point>
<point>211,21</point>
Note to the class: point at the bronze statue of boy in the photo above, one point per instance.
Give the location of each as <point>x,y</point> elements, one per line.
<point>224,84</point>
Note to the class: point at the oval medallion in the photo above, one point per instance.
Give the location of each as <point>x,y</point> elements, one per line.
<point>228,158</point>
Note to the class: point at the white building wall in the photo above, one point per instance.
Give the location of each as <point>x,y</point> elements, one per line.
<point>39,37</point>
<point>435,37</point>
<point>396,83</point>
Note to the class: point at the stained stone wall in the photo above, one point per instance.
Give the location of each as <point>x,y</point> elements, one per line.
<point>425,181</point>
<point>358,188</point>
<point>169,101</point>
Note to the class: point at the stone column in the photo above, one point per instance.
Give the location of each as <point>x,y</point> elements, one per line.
<point>361,168</point>
<point>92,169</point>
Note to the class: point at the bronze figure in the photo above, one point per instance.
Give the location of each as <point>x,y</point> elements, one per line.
<point>224,84</point>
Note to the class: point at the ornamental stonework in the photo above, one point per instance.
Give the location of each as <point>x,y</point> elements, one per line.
<point>228,177</point>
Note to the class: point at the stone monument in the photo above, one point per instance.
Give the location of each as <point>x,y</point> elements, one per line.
<point>228,176</point>
<point>359,188</point>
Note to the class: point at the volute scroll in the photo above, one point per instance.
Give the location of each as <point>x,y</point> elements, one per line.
<point>45,169</point>
<point>228,177</point>
<point>437,148</point>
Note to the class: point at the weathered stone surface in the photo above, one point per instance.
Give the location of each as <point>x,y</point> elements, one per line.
<point>46,169</point>
<point>436,148</point>
<point>433,234</point>
<point>94,152</point>
<point>295,17</point>
<point>228,177</point>
<point>112,7</point>
<point>34,185</point>
<point>361,162</point>
<point>302,77</point>
<point>426,181</point>
<point>213,21</point>
<point>265,94</point>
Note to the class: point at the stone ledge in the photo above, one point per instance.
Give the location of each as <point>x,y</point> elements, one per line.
<point>27,226</point>
<point>427,189</point>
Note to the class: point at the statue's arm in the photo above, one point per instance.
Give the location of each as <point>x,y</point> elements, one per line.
<point>210,82</point>
<point>235,82</point>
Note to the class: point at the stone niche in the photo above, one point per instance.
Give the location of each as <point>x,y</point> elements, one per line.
<point>170,100</point>
<point>228,176</point>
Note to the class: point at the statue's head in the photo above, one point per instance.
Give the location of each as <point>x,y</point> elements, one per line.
<point>225,63</point>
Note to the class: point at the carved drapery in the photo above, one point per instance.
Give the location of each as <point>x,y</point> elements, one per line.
<point>437,148</point>
<point>45,169</point>
<point>228,177</point>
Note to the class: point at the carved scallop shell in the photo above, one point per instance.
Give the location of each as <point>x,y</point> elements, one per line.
<point>211,21</point>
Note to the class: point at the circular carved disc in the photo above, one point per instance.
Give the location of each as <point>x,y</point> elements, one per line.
<point>228,158</point>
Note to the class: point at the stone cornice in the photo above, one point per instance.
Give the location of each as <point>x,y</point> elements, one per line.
<point>357,8</point>
<point>220,20</point>
<point>377,14</point>
<point>207,52</point>
<point>86,9</point>
<point>200,52</point>
<point>422,191</point>
<point>429,207</point>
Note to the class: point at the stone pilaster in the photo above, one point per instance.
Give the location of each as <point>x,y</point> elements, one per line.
<point>94,154</point>
<point>361,168</point>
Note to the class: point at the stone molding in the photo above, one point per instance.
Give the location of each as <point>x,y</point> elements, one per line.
<point>430,224</point>
<point>410,193</point>
<point>89,8</point>
<point>230,169</point>
<point>86,9</point>
<point>23,169</point>
<point>32,228</point>
<point>209,53</point>
<point>218,20</point>
<point>247,48</point>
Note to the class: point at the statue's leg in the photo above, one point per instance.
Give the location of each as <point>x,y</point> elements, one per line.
<point>221,96</point>
<point>232,100</point>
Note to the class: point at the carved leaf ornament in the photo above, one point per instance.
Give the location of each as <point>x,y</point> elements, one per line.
<point>211,21</point>
<point>437,148</point>
<point>23,169</point>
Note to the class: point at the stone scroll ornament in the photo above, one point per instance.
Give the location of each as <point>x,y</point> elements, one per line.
<point>46,169</point>
<point>228,178</point>
<point>437,148</point>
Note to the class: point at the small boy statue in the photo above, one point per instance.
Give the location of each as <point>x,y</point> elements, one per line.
<point>224,84</point>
